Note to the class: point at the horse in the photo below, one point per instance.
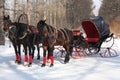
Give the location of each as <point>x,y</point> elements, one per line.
<point>19,34</point>
<point>11,30</point>
<point>51,37</point>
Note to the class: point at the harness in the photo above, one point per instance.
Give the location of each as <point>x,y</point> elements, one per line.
<point>64,34</point>
<point>12,34</point>
<point>51,34</point>
<point>25,34</point>
<point>12,29</point>
<point>50,30</point>
<point>60,30</point>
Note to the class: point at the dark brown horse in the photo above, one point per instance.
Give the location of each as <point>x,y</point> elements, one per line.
<point>51,37</point>
<point>11,30</point>
<point>19,34</point>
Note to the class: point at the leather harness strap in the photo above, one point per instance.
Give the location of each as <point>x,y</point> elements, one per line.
<point>60,30</point>
<point>65,34</point>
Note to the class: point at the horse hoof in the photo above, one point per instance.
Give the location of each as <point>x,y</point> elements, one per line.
<point>25,63</point>
<point>38,58</point>
<point>30,64</point>
<point>51,65</point>
<point>66,62</point>
<point>16,61</point>
<point>43,65</point>
<point>19,62</point>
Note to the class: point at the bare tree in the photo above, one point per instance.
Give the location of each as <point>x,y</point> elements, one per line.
<point>28,11</point>
<point>58,13</point>
<point>19,8</point>
<point>78,10</point>
<point>110,10</point>
<point>2,39</point>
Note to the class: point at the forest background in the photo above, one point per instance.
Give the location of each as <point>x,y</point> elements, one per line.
<point>62,13</point>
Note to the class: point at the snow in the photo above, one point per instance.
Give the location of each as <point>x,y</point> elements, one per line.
<point>87,68</point>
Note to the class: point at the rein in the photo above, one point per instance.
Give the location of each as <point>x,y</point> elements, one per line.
<point>62,33</point>
<point>52,33</point>
<point>10,29</point>
<point>25,34</point>
<point>66,34</point>
<point>11,34</point>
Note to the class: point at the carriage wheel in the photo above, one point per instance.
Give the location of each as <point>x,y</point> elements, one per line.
<point>108,52</point>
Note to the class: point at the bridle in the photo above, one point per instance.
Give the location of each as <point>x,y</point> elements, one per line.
<point>12,30</point>
<point>6,24</point>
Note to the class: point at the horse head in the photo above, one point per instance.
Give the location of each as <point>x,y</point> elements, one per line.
<point>42,28</point>
<point>8,28</point>
<point>12,32</point>
<point>6,23</point>
<point>15,29</point>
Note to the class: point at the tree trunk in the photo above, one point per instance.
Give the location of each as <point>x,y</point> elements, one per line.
<point>2,39</point>
<point>28,12</point>
<point>45,10</point>
<point>55,15</point>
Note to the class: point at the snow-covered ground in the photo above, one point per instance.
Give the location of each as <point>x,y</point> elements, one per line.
<point>88,68</point>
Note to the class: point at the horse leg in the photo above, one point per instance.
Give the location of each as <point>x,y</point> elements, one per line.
<point>50,55</point>
<point>30,56</point>
<point>19,54</point>
<point>44,56</point>
<point>16,53</point>
<point>67,57</point>
<point>33,51</point>
<point>38,55</point>
<point>26,56</point>
<point>71,48</point>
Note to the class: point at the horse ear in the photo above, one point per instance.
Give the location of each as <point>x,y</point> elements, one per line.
<point>44,20</point>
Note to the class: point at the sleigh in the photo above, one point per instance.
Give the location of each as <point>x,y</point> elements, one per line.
<point>98,39</point>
